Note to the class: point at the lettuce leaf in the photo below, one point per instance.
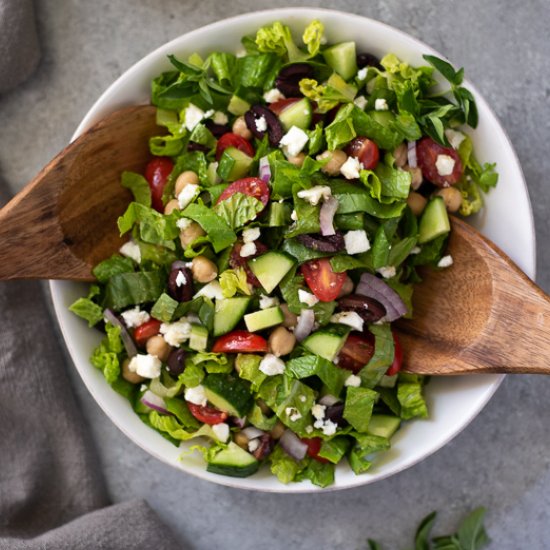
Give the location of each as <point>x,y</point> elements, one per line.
<point>87,310</point>
<point>234,280</point>
<point>139,187</point>
<point>128,289</point>
<point>358,407</point>
<point>360,456</point>
<point>334,449</point>
<point>319,473</point>
<point>248,367</point>
<point>114,265</point>
<point>178,407</point>
<point>171,426</point>
<point>105,357</point>
<point>384,351</point>
<point>277,39</point>
<point>154,227</point>
<point>326,371</point>
<point>284,466</point>
<point>409,395</point>
<point>164,308</point>
<point>313,37</point>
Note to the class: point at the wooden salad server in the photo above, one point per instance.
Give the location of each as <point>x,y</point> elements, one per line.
<point>483,314</point>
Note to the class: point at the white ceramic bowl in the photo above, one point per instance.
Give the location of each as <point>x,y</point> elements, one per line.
<point>453,402</point>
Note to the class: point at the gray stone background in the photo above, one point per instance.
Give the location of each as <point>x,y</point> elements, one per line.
<point>502,460</point>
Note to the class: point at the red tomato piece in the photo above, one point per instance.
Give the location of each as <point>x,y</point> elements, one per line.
<point>240,341</point>
<point>255,187</point>
<point>365,150</point>
<point>395,367</point>
<point>145,331</point>
<point>278,107</point>
<point>236,260</point>
<point>156,174</point>
<point>313,448</point>
<point>323,282</point>
<point>206,414</point>
<point>233,140</point>
<point>357,351</point>
<point>427,152</point>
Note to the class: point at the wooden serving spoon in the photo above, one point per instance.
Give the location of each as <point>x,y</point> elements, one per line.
<point>483,314</point>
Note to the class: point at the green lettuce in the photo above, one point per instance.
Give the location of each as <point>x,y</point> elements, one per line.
<point>284,466</point>
<point>360,456</point>
<point>277,39</point>
<point>313,37</point>
<point>164,308</point>
<point>409,395</point>
<point>128,289</point>
<point>326,371</point>
<point>213,363</point>
<point>139,187</point>
<point>319,473</point>
<point>114,265</point>
<point>248,367</point>
<point>258,419</point>
<point>106,356</point>
<point>87,310</point>
<point>233,281</point>
<point>178,407</point>
<point>334,449</point>
<point>358,407</point>
<point>171,426</point>
<point>154,227</point>
<point>384,351</point>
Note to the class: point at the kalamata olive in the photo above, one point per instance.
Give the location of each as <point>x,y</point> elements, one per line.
<point>369,309</point>
<point>288,79</point>
<point>236,260</point>
<point>180,284</point>
<point>265,447</point>
<point>218,130</point>
<point>331,243</point>
<point>192,146</point>
<point>335,413</point>
<point>258,115</point>
<point>368,60</point>
<point>176,361</point>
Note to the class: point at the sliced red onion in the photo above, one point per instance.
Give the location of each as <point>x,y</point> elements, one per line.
<point>110,316</point>
<point>306,320</point>
<point>236,421</point>
<point>153,401</point>
<point>411,154</point>
<point>178,264</point>
<point>373,287</point>
<point>264,170</point>
<point>252,432</point>
<point>326,216</point>
<point>292,445</point>
<point>328,400</point>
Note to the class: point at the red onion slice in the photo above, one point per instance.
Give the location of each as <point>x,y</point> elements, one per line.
<point>411,154</point>
<point>127,340</point>
<point>292,445</point>
<point>153,401</point>
<point>264,170</point>
<point>306,320</point>
<point>252,432</point>
<point>236,421</point>
<point>326,216</point>
<point>373,287</point>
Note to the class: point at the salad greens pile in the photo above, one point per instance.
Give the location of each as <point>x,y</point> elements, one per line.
<point>274,237</point>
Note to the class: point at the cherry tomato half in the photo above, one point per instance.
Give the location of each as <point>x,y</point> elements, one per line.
<point>395,367</point>
<point>427,152</point>
<point>365,150</point>
<point>357,351</point>
<point>206,414</point>
<point>255,187</point>
<point>233,140</point>
<point>240,341</point>
<point>156,174</point>
<point>279,106</point>
<point>323,282</point>
<point>145,331</point>
<point>313,448</point>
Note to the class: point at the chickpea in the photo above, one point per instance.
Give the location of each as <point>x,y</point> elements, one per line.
<point>290,318</point>
<point>190,233</point>
<point>130,376</point>
<point>185,178</point>
<point>337,159</point>
<point>171,206</point>
<point>203,269</point>
<point>347,287</point>
<point>416,176</point>
<point>241,129</point>
<point>401,155</point>
<point>451,196</point>
<point>298,160</point>
<point>277,430</point>
<point>281,341</point>
<point>241,440</point>
<point>157,345</point>
<point>416,202</point>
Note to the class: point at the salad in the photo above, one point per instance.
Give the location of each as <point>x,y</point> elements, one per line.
<point>274,237</point>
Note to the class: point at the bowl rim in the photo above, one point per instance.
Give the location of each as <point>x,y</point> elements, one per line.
<point>98,110</point>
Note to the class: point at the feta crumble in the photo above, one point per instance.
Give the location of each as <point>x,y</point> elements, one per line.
<point>380,104</point>
<point>135,317</point>
<point>350,318</point>
<point>176,333</point>
<point>131,250</point>
<point>193,115</point>
<point>196,395</point>
<point>147,366</point>
<point>261,124</point>
<point>362,73</point>
<point>309,429</point>
<point>356,241</point>
<point>353,381</point>
<point>387,272</point>
<point>180,279</point>
<point>293,414</point>
<point>303,398</point>
<point>294,216</point>
<point>307,298</point>
<point>415,250</point>
<point>360,101</point>
<point>293,141</point>
<point>350,168</point>
<point>315,194</point>
<point>253,445</point>
<point>247,249</point>
<point>455,137</point>
<point>183,223</point>
<point>268,301</point>
<point>446,261</point>
<point>221,431</point>
<point>220,118</point>
<point>212,290</point>
<point>188,193</point>
<point>273,95</point>
<point>445,165</point>
<point>251,234</point>
<point>272,365</point>
<point>318,411</point>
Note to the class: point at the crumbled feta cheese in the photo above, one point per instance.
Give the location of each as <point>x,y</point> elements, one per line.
<point>446,261</point>
<point>241,53</point>
<point>353,381</point>
<point>196,395</point>
<point>455,138</point>
<point>273,95</point>
<point>131,250</point>
<point>220,118</point>
<point>143,388</point>
<point>251,234</point>
<point>445,165</point>
<point>176,333</point>
<point>387,272</point>
<point>329,427</point>
<point>188,193</point>
<point>350,168</point>
<point>293,141</point>
<point>147,366</point>
<point>212,290</point>
<point>180,279</point>
<point>307,298</point>
<point>360,101</point>
<point>193,115</point>
<point>318,411</point>
<point>415,250</point>
<point>247,249</point>
<point>261,124</point>
<point>268,301</point>
<point>253,445</point>
<point>309,429</point>
<point>221,431</point>
<point>303,398</point>
<point>380,104</point>
<point>315,194</point>
<point>294,215</point>
<point>362,73</point>
<point>135,317</point>
<point>293,414</point>
<point>356,241</point>
<point>272,365</point>
<point>183,223</point>
<point>350,318</point>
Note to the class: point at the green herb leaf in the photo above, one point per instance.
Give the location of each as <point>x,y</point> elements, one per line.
<point>238,209</point>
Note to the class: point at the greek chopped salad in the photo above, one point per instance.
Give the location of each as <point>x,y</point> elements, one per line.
<point>274,237</point>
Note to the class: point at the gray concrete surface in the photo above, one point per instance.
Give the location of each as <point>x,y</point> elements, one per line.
<point>502,460</point>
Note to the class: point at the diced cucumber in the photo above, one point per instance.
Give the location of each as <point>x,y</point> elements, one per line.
<point>383,425</point>
<point>434,221</point>
<point>199,337</point>
<point>228,393</point>
<point>342,58</point>
<point>297,114</point>
<point>234,164</point>
<point>212,173</point>
<point>238,106</point>
<point>228,313</point>
<point>278,214</point>
<point>233,461</point>
<point>264,318</point>
<point>324,344</point>
<point>270,268</point>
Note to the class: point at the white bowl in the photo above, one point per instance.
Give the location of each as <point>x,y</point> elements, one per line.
<point>453,402</point>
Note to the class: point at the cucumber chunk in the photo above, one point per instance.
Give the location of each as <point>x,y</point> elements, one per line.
<point>278,214</point>
<point>234,164</point>
<point>324,344</point>
<point>270,268</point>
<point>434,221</point>
<point>228,313</point>
<point>198,340</point>
<point>238,106</point>
<point>233,461</point>
<point>342,58</point>
<point>298,114</point>
<point>228,393</point>
<point>264,318</point>
<point>383,425</point>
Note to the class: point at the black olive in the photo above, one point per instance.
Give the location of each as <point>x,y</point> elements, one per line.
<point>176,361</point>
<point>288,79</point>
<point>218,130</point>
<point>369,309</point>
<point>180,290</point>
<point>368,60</point>
<point>331,243</point>
<point>274,129</point>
